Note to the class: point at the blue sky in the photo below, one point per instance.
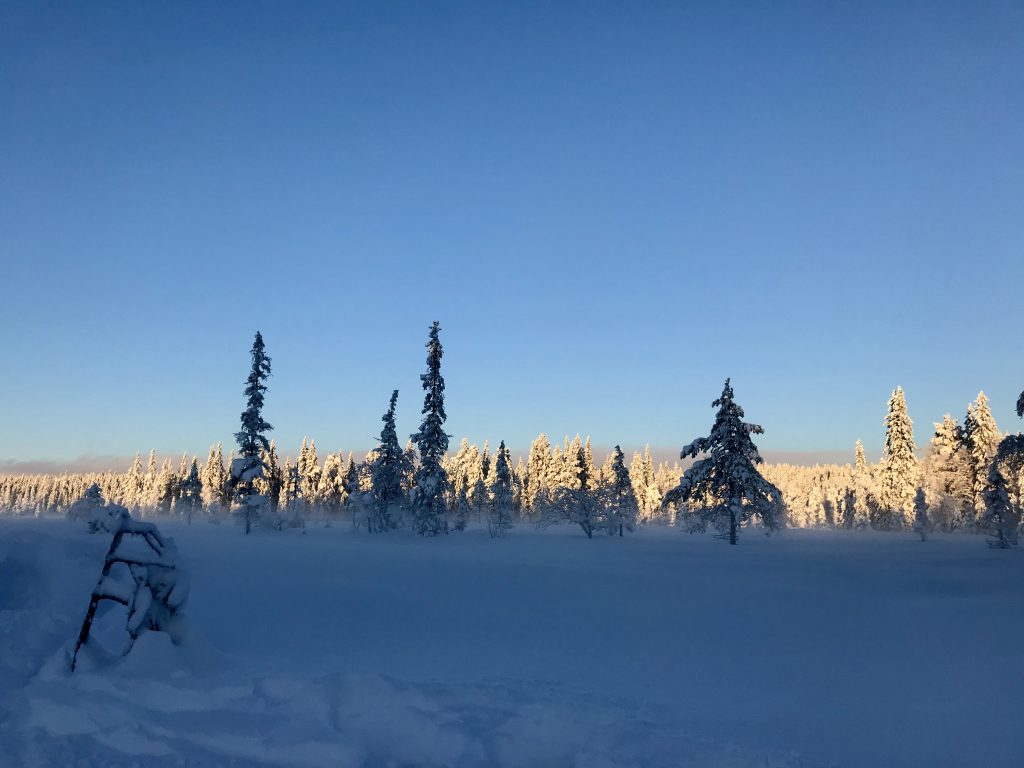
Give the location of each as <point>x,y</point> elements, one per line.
<point>609,207</point>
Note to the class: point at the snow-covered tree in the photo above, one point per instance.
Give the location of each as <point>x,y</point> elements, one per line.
<point>621,501</point>
<point>140,572</point>
<point>536,473</point>
<point>272,481</point>
<point>214,479</point>
<point>724,488</point>
<point>863,502</point>
<point>332,491</point>
<point>1001,520</point>
<point>252,440</point>
<point>637,477</point>
<point>500,513</point>
<point>577,504</point>
<point>97,514</point>
<point>387,472</point>
<point>290,497</point>
<point>150,490</point>
<point>411,464</point>
<point>135,485</point>
<point>981,441</point>
<point>350,481</point>
<point>166,487</point>
<point>946,475</point>
<point>428,508</point>
<point>922,523</point>
<point>191,499</point>
<point>899,470</point>
<point>485,461</point>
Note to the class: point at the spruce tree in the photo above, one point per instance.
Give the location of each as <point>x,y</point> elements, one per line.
<point>981,439</point>
<point>637,477</point>
<point>899,471</point>
<point>1001,519</point>
<point>575,472</point>
<point>500,517</point>
<point>948,475</point>
<point>331,492</point>
<point>150,491</point>
<point>863,501</point>
<point>191,499</point>
<point>135,485</point>
<point>485,460</point>
<point>922,523</point>
<point>428,507</point>
<point>622,506</point>
<point>273,477</point>
<point>535,481</point>
<point>387,473</point>
<point>725,488</point>
<point>252,440</point>
<point>592,474</point>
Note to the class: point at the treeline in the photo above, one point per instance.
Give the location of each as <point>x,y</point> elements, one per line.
<point>971,478</point>
<point>308,488</point>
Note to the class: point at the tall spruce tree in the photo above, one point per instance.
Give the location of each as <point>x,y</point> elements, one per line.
<point>429,512</point>
<point>899,470</point>
<point>981,439</point>
<point>252,440</point>
<point>387,472</point>
<point>725,488</point>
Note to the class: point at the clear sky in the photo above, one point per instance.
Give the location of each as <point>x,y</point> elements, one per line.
<point>609,207</point>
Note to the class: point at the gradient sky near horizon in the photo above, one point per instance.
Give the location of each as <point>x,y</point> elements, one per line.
<point>610,207</point>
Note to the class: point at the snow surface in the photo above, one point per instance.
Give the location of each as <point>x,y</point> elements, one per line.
<point>334,648</point>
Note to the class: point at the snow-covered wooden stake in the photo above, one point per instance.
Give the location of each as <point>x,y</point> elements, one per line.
<point>156,590</point>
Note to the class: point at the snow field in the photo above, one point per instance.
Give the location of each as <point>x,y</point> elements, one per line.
<point>335,648</point>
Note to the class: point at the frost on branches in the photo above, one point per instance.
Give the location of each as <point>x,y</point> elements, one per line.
<point>574,501</point>
<point>140,572</point>
<point>899,471</point>
<point>247,468</point>
<point>428,507</point>
<point>724,488</point>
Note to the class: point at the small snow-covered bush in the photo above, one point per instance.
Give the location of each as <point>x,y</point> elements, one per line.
<point>141,573</point>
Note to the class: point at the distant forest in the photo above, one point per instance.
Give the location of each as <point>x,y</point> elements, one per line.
<point>971,478</point>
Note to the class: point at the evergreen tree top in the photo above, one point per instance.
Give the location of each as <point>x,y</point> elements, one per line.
<point>251,438</point>
<point>729,432</point>
<point>432,439</point>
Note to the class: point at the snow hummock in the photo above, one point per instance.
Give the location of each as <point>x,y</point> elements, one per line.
<point>333,648</point>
